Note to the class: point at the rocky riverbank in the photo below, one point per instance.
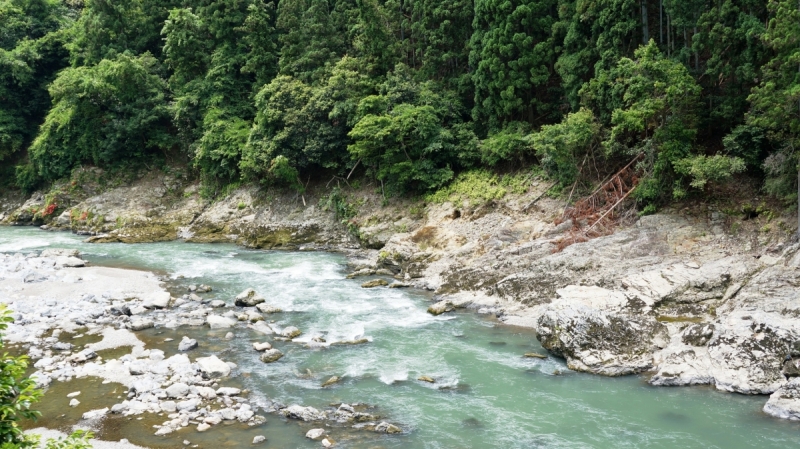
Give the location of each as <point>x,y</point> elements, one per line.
<point>699,296</point>
<point>57,298</point>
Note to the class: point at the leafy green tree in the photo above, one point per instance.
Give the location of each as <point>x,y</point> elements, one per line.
<point>306,125</point>
<point>17,393</point>
<point>411,137</point>
<point>312,35</point>
<point>729,32</point>
<point>653,103</point>
<point>107,28</point>
<point>562,146</point>
<point>593,35</point>
<point>110,113</point>
<point>775,102</point>
<point>511,55</point>
<point>31,52</point>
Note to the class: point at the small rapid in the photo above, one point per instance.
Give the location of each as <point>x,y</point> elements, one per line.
<point>486,394</point>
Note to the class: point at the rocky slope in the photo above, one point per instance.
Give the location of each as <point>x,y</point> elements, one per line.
<point>707,297</point>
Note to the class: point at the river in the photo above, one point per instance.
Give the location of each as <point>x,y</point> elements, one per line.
<point>485,395</point>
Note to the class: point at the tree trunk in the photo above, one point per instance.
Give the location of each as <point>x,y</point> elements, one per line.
<point>661,22</point>
<point>645,26</point>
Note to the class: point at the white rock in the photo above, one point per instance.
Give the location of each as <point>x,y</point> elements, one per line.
<point>95,414</point>
<point>261,346</point>
<point>188,405</point>
<point>228,391</point>
<point>258,439</point>
<point>159,300</point>
<point>315,433</point>
<point>74,402</point>
<point>187,344</point>
<point>206,392</point>
<point>168,406</point>
<point>74,394</point>
<point>213,366</point>
<point>219,322</point>
<point>177,390</point>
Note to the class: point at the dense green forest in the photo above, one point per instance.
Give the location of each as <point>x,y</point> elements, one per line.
<point>407,92</point>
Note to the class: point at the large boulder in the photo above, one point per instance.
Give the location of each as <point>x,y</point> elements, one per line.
<point>589,327</point>
<point>302,413</point>
<point>219,322</point>
<point>212,366</point>
<point>785,402</point>
<point>248,298</point>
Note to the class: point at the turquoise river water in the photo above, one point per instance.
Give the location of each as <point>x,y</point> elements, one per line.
<point>486,395</point>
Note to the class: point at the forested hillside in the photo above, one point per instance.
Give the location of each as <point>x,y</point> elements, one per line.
<point>408,92</point>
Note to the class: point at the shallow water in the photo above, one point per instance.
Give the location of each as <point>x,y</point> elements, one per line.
<point>486,394</point>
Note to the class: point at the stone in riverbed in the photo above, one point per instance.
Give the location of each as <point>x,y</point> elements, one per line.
<point>188,405</point>
<point>385,427</point>
<point>534,355</point>
<point>266,308</point>
<point>331,381</point>
<point>248,298</point>
<point>785,402</point>
<point>177,390</point>
<point>271,355</point>
<point>427,379</point>
<point>213,367</point>
<point>397,284</point>
<point>374,283</point>
<point>217,303</point>
<point>187,344</point>
<point>219,322</point>
<point>441,307</point>
<point>95,414</point>
<point>228,391</point>
<point>141,324</point>
<point>202,427</point>
<point>74,402</point>
<point>168,406</point>
<point>314,434</point>
<point>258,439</point>
<point>302,413</point>
<point>261,346</point>
<point>327,442</point>
<point>74,394</point>
<point>158,300</point>
<point>291,332</point>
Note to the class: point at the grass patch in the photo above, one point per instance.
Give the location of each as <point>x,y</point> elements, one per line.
<point>480,186</point>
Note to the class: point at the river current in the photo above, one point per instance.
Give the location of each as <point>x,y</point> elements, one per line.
<point>486,394</point>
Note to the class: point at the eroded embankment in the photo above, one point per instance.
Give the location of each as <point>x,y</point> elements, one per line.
<point>703,298</point>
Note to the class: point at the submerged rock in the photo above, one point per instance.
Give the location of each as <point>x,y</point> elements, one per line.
<point>374,283</point>
<point>331,381</point>
<point>271,355</point>
<point>385,427</point>
<point>315,434</point>
<point>427,379</point>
